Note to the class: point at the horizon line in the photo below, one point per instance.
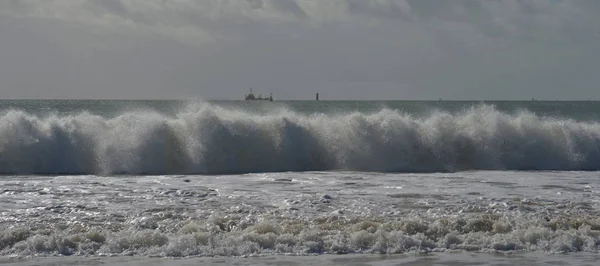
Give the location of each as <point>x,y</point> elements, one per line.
<point>289,100</point>
<point>297,100</point>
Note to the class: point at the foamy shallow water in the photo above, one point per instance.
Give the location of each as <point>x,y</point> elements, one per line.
<point>443,259</point>
<point>278,216</point>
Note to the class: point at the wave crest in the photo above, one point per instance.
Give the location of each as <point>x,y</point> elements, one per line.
<point>207,139</point>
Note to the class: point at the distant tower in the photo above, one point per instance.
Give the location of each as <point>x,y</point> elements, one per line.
<point>317,96</point>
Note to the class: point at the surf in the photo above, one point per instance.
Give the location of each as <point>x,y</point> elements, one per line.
<point>203,138</point>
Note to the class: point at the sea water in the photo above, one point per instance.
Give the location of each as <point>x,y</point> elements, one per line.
<point>284,183</point>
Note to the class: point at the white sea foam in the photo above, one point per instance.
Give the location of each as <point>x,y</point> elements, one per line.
<point>300,213</point>
<point>207,139</point>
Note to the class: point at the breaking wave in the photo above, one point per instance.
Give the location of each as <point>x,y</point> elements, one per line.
<point>207,139</point>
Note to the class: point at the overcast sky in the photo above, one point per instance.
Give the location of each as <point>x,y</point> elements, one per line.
<point>344,49</point>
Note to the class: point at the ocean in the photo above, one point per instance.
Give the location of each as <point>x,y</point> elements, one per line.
<point>299,182</point>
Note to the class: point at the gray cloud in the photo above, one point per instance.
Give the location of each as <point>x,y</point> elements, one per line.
<point>509,49</point>
<point>195,19</point>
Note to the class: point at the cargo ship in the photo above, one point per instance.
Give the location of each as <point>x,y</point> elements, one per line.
<point>251,97</point>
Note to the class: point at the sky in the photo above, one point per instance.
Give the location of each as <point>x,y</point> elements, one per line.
<point>342,49</point>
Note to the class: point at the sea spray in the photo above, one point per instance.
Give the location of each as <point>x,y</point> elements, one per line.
<point>209,139</point>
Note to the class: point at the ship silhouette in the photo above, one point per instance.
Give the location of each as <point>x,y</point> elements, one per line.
<point>252,97</point>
